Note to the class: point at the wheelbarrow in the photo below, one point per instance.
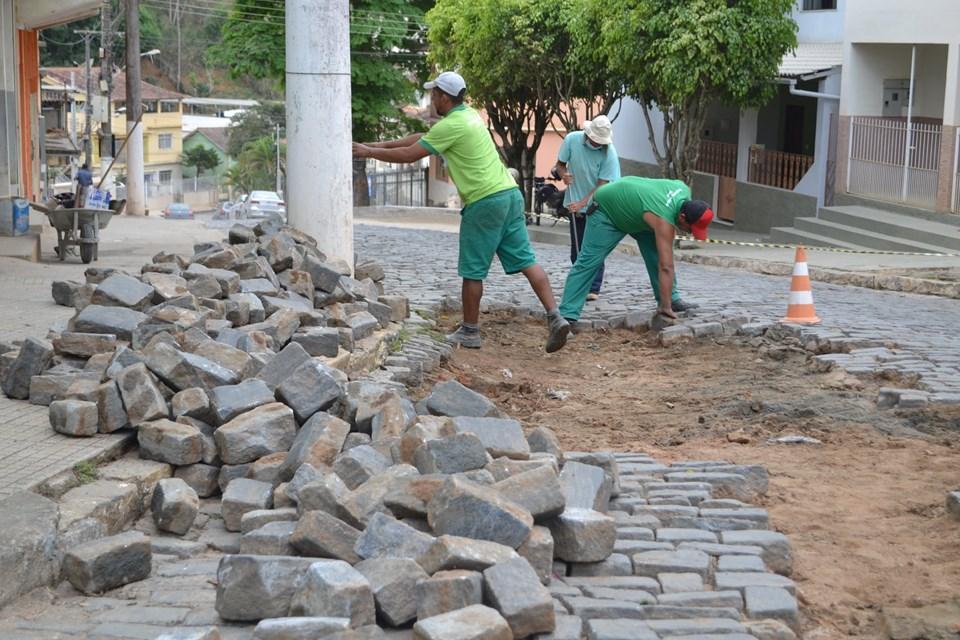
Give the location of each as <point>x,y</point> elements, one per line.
<point>78,227</point>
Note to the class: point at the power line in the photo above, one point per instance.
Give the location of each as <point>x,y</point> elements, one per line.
<point>362,29</point>
<point>252,15</point>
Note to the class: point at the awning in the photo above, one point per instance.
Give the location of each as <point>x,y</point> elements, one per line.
<point>58,143</point>
<point>811,57</point>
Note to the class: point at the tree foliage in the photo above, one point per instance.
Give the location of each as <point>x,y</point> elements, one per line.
<point>201,159</point>
<point>256,166</point>
<point>62,47</point>
<point>252,124</point>
<point>681,55</point>
<point>526,62</point>
<point>385,39</point>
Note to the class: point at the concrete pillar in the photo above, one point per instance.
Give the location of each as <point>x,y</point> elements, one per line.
<point>951,118</point>
<point>319,131</point>
<point>747,137</point>
<point>843,154</point>
<point>136,198</point>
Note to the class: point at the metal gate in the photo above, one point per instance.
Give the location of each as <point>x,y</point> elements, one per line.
<point>880,167</point>
<point>405,188</point>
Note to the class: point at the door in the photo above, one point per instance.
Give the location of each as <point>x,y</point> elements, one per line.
<point>727,199</point>
<point>793,129</point>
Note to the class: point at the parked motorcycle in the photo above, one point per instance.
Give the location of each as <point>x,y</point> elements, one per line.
<point>548,199</point>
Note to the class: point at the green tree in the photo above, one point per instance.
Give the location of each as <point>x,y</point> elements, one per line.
<point>256,166</point>
<point>386,42</point>
<point>201,159</point>
<point>679,56</point>
<point>525,63</point>
<point>252,124</point>
<point>64,48</point>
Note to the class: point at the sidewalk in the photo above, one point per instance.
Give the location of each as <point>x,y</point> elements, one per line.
<point>30,451</point>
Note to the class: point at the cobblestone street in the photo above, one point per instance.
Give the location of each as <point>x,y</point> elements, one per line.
<point>422,264</point>
<point>686,531</point>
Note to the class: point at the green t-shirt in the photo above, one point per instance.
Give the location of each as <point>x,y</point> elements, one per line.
<point>626,200</point>
<point>462,139</point>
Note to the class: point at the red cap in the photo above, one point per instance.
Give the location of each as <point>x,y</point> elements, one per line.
<point>699,228</point>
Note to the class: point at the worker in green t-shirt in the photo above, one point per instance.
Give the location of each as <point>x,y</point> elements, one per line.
<point>650,210</point>
<point>492,220</point>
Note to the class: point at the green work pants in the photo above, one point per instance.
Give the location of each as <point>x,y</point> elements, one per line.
<point>601,239</point>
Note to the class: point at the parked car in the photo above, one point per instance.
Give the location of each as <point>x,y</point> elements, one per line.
<point>178,211</point>
<point>263,204</point>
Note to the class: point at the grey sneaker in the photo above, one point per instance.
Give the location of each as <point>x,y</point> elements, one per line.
<point>462,338</point>
<point>559,330</point>
<point>679,306</point>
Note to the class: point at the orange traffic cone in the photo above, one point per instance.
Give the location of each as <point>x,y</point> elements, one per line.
<point>800,310</point>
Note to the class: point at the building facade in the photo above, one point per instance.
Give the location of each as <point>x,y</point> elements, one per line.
<point>784,145</point>
<point>21,136</point>
<point>162,124</point>
<point>900,102</point>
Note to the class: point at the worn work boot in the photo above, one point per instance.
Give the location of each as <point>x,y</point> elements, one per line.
<point>679,306</point>
<point>559,330</point>
<point>463,337</point>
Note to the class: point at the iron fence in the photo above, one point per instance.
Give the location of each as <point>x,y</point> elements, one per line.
<point>881,166</point>
<point>400,187</point>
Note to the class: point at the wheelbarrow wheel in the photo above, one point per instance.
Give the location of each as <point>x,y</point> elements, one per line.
<point>87,249</point>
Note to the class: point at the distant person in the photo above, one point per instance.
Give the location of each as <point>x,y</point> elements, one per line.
<point>84,182</point>
<point>492,220</point>
<point>587,160</point>
<point>650,210</point>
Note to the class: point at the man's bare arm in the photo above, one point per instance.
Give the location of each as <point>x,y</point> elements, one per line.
<point>580,204</point>
<point>393,144</point>
<point>402,155</point>
<point>664,233</point>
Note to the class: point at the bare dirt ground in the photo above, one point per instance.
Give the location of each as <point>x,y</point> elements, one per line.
<point>864,510</point>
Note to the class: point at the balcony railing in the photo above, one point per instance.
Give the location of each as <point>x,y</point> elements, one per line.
<point>778,168</point>
<point>718,158</point>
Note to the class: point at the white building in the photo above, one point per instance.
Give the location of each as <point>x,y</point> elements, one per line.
<point>889,46</point>
<point>783,145</point>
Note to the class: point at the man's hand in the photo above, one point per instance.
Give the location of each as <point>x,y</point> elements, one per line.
<point>361,150</point>
<point>578,205</point>
<point>567,177</point>
<point>667,311</point>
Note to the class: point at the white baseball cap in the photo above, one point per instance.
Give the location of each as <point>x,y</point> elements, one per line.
<point>600,130</point>
<point>449,82</point>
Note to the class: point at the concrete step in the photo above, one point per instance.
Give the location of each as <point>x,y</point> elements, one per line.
<point>865,238</point>
<point>791,235</point>
<point>897,225</point>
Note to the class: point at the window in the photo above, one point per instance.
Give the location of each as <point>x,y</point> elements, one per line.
<point>165,141</point>
<point>166,177</point>
<point>819,5</point>
<point>167,106</point>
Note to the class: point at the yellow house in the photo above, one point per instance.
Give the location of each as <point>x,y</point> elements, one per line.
<point>162,130</point>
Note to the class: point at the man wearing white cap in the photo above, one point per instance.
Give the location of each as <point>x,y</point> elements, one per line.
<point>587,160</point>
<point>492,220</point>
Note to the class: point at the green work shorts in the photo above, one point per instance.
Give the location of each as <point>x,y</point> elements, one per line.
<point>494,225</point>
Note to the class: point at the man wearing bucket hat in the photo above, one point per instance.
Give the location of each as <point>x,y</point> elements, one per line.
<point>650,210</point>
<point>587,159</point>
<point>492,220</point>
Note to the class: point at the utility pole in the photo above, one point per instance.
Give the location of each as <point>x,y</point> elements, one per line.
<point>320,186</point>
<point>88,103</point>
<point>278,158</point>
<point>136,204</point>
<point>106,89</point>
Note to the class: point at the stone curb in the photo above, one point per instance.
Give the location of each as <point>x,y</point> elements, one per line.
<point>881,282</point>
